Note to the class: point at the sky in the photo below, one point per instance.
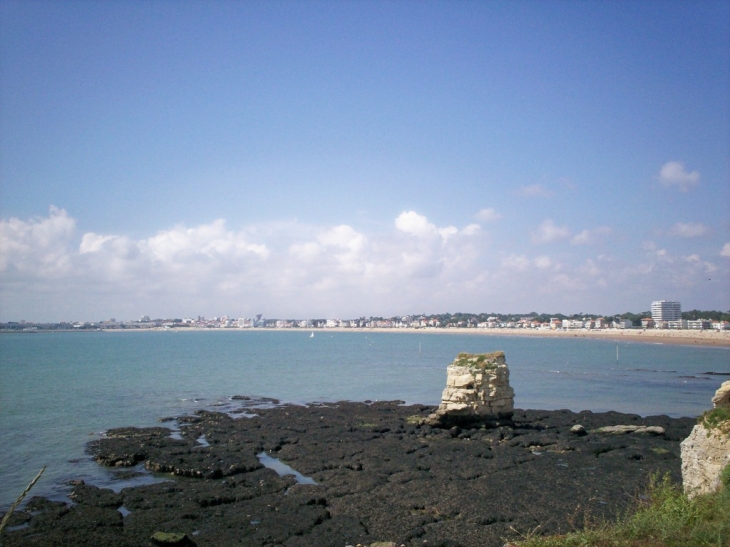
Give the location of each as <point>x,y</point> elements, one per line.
<point>311,159</point>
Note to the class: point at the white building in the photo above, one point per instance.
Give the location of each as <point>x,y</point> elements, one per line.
<point>666,310</point>
<point>699,324</point>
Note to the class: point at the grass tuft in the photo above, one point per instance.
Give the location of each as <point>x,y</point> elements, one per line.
<point>717,419</point>
<point>6,518</point>
<point>667,518</point>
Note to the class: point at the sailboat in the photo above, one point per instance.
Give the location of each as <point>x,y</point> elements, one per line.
<point>311,335</point>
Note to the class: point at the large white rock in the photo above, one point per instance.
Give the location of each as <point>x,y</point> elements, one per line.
<point>722,395</point>
<point>477,387</point>
<point>706,452</point>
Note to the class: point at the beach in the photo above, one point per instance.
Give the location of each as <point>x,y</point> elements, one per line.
<point>686,337</point>
<point>648,336</point>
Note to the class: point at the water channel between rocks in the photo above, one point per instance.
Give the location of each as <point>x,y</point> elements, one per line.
<point>283,469</point>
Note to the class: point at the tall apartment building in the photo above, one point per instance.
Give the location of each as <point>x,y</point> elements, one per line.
<point>666,310</point>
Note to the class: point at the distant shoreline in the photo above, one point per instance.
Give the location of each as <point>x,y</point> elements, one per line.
<point>711,338</point>
<point>649,336</point>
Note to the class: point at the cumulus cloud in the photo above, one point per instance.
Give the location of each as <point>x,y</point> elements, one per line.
<point>725,251</point>
<point>213,241</point>
<point>39,246</point>
<point>688,229</point>
<point>291,264</point>
<point>674,174</point>
<point>549,232</point>
<point>543,262</point>
<point>589,237</point>
<point>93,243</point>
<point>302,270</point>
<point>535,191</point>
<point>412,223</point>
<point>488,215</point>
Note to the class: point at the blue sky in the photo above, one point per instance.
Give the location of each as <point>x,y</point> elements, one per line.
<point>339,159</point>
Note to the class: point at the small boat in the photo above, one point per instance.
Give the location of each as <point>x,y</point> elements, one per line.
<point>311,335</point>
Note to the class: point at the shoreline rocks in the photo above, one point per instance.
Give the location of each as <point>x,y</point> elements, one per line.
<point>382,475</point>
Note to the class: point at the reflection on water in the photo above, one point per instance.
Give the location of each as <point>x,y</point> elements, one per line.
<point>283,469</point>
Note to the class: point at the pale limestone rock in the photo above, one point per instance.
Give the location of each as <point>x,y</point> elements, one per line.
<point>477,387</point>
<point>706,452</point>
<point>722,395</point>
<point>623,429</point>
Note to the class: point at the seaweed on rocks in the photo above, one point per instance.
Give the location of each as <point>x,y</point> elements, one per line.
<point>380,477</point>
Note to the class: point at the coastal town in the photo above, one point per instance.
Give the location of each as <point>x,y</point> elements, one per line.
<point>664,315</point>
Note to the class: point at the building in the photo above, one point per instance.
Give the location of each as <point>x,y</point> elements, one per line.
<point>666,310</point>
<point>699,324</point>
<point>648,323</point>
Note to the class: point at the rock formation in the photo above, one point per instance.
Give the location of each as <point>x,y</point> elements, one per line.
<point>477,389</point>
<point>706,452</point>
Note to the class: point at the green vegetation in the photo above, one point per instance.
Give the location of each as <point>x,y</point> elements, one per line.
<point>717,419</point>
<point>667,518</point>
<point>479,360</point>
<point>713,315</point>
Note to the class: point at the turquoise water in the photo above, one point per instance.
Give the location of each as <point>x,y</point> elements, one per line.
<point>60,390</point>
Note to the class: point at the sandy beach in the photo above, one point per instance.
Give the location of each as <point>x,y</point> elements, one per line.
<point>647,336</point>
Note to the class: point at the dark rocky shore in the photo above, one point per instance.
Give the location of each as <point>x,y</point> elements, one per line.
<point>380,477</point>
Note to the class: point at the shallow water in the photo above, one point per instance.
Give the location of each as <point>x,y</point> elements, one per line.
<point>283,469</point>
<point>61,390</point>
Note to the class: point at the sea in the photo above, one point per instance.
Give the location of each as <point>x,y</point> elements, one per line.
<point>60,390</point>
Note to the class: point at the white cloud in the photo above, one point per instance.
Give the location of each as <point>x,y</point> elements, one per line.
<point>516,263</point>
<point>488,215</point>
<point>725,250</point>
<point>471,229</point>
<point>548,232</point>
<point>688,229</point>
<point>212,241</point>
<point>38,247</point>
<point>589,237</point>
<point>305,251</point>
<point>543,262</point>
<point>93,243</point>
<point>343,236</point>
<point>300,270</point>
<point>674,174</point>
<point>411,222</point>
<point>535,191</point>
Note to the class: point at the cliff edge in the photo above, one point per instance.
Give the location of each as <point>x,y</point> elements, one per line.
<point>706,452</point>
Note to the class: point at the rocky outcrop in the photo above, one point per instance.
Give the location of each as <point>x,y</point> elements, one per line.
<point>380,477</point>
<point>477,389</point>
<point>722,396</point>
<point>623,429</point>
<point>706,452</point>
